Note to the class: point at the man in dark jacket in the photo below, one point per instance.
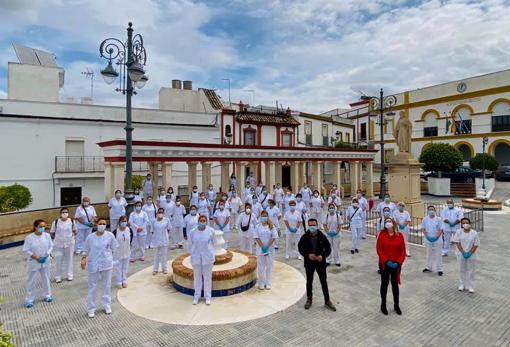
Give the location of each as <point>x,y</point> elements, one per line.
<point>315,248</point>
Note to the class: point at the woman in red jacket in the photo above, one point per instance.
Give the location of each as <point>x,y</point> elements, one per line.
<point>391,250</point>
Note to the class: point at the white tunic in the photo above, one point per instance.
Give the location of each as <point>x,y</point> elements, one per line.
<point>148,186</point>
<point>234,204</point>
<point>190,222</point>
<point>178,216</point>
<point>203,206</point>
<point>138,220</point>
<point>168,206</point>
<point>221,217</point>
<point>332,222</point>
<point>160,229</point>
<point>210,195</point>
<point>265,234</point>
<point>287,199</point>
<point>292,218</point>
<point>301,207</point>
<point>87,213</point>
<point>467,239</point>
<point>201,246</point>
<point>306,193</point>
<point>274,216</point>
<point>243,220</point>
<point>402,218</point>
<point>39,245</point>
<point>335,200</point>
<point>64,236</point>
<point>151,211</point>
<point>193,198</point>
<point>99,251</point>
<point>317,204</point>
<point>117,207</point>
<point>452,215</point>
<point>278,195</point>
<point>432,227</point>
<point>123,238</point>
<point>355,216</point>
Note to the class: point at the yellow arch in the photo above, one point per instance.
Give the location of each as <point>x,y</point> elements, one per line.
<point>493,145</point>
<point>458,107</point>
<point>430,110</point>
<point>491,106</point>
<point>470,146</point>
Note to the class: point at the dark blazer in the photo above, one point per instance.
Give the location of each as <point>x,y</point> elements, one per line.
<point>305,246</point>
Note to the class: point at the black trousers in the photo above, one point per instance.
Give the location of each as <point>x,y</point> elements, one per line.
<point>320,267</point>
<point>389,275</point>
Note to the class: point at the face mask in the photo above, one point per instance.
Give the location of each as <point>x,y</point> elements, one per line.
<point>331,210</point>
<point>171,191</point>
<point>201,226</point>
<point>224,198</point>
<point>263,219</point>
<point>222,207</point>
<point>41,229</point>
<point>64,215</point>
<point>168,199</point>
<point>386,214</point>
<point>210,188</point>
<point>358,195</point>
<point>149,202</point>
<point>148,178</point>
<point>234,194</point>
<point>355,205</point>
<point>101,228</point>
<point>248,210</point>
<point>293,208</point>
<point>386,200</point>
<point>450,206</point>
<point>162,193</point>
<point>86,203</point>
<point>401,209</point>
<point>193,212</point>
<point>178,203</point>
<point>123,224</point>
<point>466,226</point>
<point>160,215</point>
<point>333,195</point>
<point>432,213</point>
<point>194,190</point>
<point>312,229</point>
<point>117,195</point>
<point>298,199</point>
<point>316,195</point>
<point>138,208</point>
<point>388,226</point>
<point>202,197</point>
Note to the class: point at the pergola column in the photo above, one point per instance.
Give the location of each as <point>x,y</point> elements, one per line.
<point>295,175</point>
<point>302,174</point>
<point>153,169</point>
<point>360,176</point>
<point>166,168</point>
<point>192,175</point>
<point>370,179</point>
<point>206,175</point>
<point>317,175</point>
<point>108,180</point>
<point>337,173</point>
<point>225,176</point>
<point>278,172</point>
<point>270,175</point>
<point>118,177</point>
<point>241,175</point>
<point>353,175</point>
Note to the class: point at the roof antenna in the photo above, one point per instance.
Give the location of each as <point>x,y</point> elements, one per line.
<point>89,73</point>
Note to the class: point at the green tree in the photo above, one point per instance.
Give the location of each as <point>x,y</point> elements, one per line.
<point>6,337</point>
<point>341,144</point>
<point>491,163</point>
<point>137,181</point>
<point>441,157</point>
<point>15,197</point>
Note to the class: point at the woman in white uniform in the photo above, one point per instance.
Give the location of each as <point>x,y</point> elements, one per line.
<point>38,247</point>
<point>233,180</point>
<point>332,223</point>
<point>451,218</point>
<point>97,257</point>
<point>177,233</point>
<point>432,229</point>
<point>194,196</point>
<point>124,235</point>
<point>335,199</point>
<point>355,218</point>
<point>316,206</point>
<point>203,205</point>
<point>247,223</point>
<point>467,241</point>
<point>117,206</point>
<point>138,221</point>
<point>147,186</point>
<point>287,198</point>
<point>161,227</point>
<point>278,196</point>
<point>191,220</point>
<point>403,219</point>
<point>170,191</point>
<point>293,223</point>
<point>221,219</point>
<point>150,208</point>
<point>63,233</point>
<point>85,217</point>
<point>210,195</point>
<point>265,235</point>
<point>201,247</point>
<point>234,206</point>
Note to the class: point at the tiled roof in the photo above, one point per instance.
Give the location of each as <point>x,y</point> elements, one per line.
<point>213,98</point>
<point>255,117</point>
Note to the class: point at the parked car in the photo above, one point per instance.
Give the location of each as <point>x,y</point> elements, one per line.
<point>503,173</point>
<point>463,174</point>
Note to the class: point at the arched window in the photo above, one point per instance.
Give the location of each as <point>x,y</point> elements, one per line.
<point>501,116</point>
<point>462,120</point>
<point>430,128</point>
<point>466,151</point>
<point>502,153</point>
<point>228,130</point>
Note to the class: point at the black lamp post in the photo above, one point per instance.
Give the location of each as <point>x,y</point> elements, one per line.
<point>131,58</point>
<point>382,103</point>
<point>485,141</point>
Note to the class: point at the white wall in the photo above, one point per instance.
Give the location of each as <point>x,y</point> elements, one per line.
<point>184,100</point>
<point>268,135</point>
<point>35,83</point>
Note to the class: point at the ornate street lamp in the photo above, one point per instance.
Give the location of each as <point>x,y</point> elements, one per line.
<point>485,141</point>
<point>381,104</point>
<point>130,56</point>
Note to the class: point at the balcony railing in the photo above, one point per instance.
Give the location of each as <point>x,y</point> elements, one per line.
<point>77,164</point>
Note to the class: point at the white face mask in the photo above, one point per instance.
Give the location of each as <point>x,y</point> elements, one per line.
<point>64,215</point>
<point>101,228</point>
<point>316,195</point>
<point>248,210</point>
<point>178,203</point>
<point>138,208</point>
<point>388,225</point>
<point>466,226</point>
<point>450,205</point>
<point>86,203</point>
<point>355,205</point>
<point>432,213</point>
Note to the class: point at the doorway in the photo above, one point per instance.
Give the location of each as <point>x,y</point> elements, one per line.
<point>70,196</point>
<point>285,175</point>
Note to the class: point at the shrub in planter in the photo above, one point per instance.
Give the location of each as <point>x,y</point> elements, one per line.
<point>441,157</point>
<point>341,144</point>
<point>137,181</point>
<point>491,164</point>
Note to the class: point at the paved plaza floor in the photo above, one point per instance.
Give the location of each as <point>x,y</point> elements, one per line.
<point>434,312</point>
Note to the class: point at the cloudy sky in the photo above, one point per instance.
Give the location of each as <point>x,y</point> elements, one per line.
<point>310,55</point>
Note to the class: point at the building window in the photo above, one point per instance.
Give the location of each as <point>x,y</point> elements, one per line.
<point>347,137</point>
<point>249,137</point>
<point>341,136</point>
<point>363,132</point>
<point>501,117</point>
<point>463,127</point>
<point>308,133</point>
<point>429,131</point>
<point>287,140</point>
<point>430,128</point>
<point>325,137</point>
<point>389,125</point>
<point>462,121</point>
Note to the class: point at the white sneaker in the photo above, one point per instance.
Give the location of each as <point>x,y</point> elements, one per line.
<point>195,301</point>
<point>300,257</point>
<point>461,288</point>
<point>287,257</point>
<point>471,290</point>
<point>268,287</point>
<point>58,279</point>
<point>108,310</point>
<point>70,278</point>
<point>261,287</point>
<point>207,302</point>
<point>91,314</point>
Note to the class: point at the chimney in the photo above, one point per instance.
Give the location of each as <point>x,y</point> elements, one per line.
<point>176,84</point>
<point>187,85</point>
<point>241,106</point>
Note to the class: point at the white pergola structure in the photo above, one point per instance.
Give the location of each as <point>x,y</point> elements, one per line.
<point>235,158</point>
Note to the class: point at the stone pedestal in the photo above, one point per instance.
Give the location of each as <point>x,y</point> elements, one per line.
<point>404,183</point>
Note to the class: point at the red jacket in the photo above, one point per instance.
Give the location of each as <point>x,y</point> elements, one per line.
<point>391,248</point>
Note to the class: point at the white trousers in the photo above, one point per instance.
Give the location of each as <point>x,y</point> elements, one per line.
<point>434,255</point>
<point>233,220</point>
<point>355,237</point>
<point>364,228</point>
<point>466,271</point>
<point>447,235</point>
<point>226,237</point>
<point>202,279</point>
<point>44,272</point>
<point>60,254</point>
<point>81,236</point>
<point>105,279</point>
<point>114,223</point>
<point>138,246</point>
<point>121,271</point>
<point>335,249</point>
<point>246,244</point>
<point>406,239</point>
<point>291,244</point>
<point>265,269</point>
<point>160,258</point>
<point>176,236</point>
<point>148,239</point>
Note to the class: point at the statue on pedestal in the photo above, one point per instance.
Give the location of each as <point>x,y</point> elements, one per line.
<point>403,133</point>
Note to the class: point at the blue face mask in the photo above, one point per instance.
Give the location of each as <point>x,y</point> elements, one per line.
<point>201,226</point>
<point>41,229</point>
<point>123,224</point>
<point>193,212</point>
<point>331,210</point>
<point>263,219</point>
<point>386,214</point>
<point>312,229</point>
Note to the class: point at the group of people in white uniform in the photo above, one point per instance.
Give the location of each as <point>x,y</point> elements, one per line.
<point>260,217</point>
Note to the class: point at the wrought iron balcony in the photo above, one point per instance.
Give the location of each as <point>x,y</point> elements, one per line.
<point>77,164</point>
